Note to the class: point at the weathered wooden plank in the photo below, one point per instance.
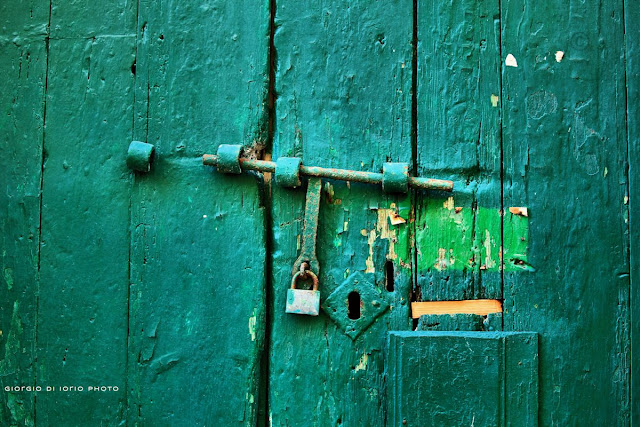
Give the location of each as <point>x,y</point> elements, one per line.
<point>565,156</point>
<point>21,126</point>
<point>490,378</point>
<point>197,297</point>
<point>632,38</point>
<point>80,19</point>
<point>343,82</point>
<point>197,316</point>
<point>458,237</point>
<point>82,317</point>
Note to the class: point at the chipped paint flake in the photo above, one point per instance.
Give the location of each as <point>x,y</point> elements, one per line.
<point>448,204</point>
<point>519,211</point>
<point>252,326</point>
<point>494,100</point>
<point>362,364</point>
<point>396,219</point>
<point>559,55</point>
<point>8,277</point>
<point>510,61</point>
<point>369,262</point>
<point>488,261</point>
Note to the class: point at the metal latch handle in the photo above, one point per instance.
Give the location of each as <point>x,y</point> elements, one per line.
<point>310,232</point>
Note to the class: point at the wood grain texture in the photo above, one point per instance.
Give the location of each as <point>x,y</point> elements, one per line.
<point>632,42</point>
<point>565,157</point>
<point>82,318</point>
<point>343,82</point>
<point>458,137</point>
<point>21,131</point>
<point>197,308</point>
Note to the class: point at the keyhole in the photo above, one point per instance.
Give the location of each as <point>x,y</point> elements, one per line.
<point>353,305</point>
<point>388,275</point>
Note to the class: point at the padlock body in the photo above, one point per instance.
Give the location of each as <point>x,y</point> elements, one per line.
<point>300,301</point>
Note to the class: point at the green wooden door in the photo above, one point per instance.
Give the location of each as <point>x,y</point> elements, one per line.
<point>138,298</point>
<point>162,294</point>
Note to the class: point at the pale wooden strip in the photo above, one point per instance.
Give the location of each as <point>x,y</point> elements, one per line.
<point>477,306</point>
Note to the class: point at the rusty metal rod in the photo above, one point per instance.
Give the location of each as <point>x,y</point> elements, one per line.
<point>339,174</point>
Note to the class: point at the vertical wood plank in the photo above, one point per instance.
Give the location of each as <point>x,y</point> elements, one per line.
<point>82,319</point>
<point>458,236</point>
<point>23,66</point>
<point>565,157</point>
<point>343,85</point>
<point>198,252</point>
<point>632,38</point>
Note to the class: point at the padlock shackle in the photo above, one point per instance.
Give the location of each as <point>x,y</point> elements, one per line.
<point>314,278</point>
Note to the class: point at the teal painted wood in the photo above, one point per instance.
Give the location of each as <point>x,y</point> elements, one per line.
<point>632,39</point>
<point>202,76</point>
<point>462,378</point>
<point>197,309</point>
<point>458,137</point>
<point>197,297</point>
<point>82,313</point>
<point>23,20</point>
<point>451,322</point>
<point>565,157</point>
<point>343,82</point>
<point>109,17</point>
<point>23,66</point>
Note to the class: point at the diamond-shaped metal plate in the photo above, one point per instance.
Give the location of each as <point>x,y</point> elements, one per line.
<point>372,305</point>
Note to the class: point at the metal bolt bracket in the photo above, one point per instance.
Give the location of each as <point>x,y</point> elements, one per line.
<point>229,158</point>
<point>395,177</point>
<point>288,171</point>
<point>393,182</point>
<point>140,156</point>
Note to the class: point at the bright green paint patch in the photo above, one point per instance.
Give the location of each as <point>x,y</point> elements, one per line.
<point>463,238</point>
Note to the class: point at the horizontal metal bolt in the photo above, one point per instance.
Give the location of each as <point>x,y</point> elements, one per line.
<point>338,174</point>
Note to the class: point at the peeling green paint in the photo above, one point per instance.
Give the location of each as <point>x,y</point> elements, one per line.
<point>460,238</point>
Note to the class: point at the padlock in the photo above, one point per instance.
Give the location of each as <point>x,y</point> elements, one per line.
<point>300,301</point>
